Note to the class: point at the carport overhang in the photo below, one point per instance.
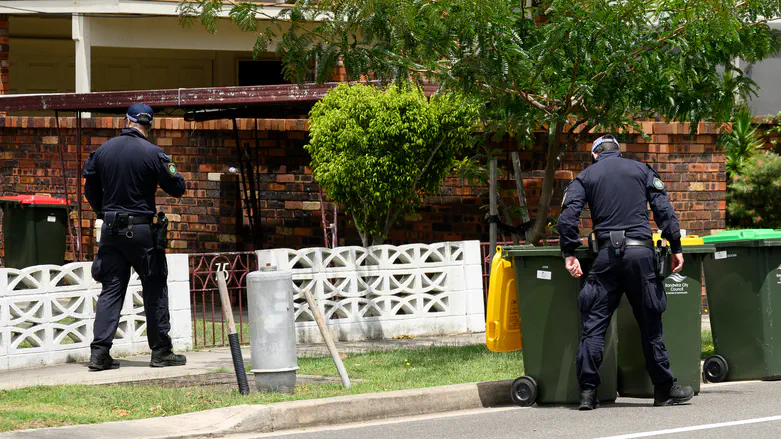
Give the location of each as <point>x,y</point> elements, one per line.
<point>207,103</point>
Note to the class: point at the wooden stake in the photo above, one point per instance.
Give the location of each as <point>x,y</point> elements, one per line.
<point>329,341</point>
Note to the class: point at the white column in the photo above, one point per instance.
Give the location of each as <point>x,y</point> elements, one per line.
<point>81,36</point>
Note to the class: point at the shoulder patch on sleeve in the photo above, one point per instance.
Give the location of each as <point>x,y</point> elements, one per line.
<point>172,169</point>
<point>658,184</point>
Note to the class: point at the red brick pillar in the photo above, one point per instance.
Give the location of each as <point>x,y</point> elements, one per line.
<point>4,76</point>
<point>340,73</point>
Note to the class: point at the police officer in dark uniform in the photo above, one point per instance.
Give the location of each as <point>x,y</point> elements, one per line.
<point>618,192</point>
<point>122,177</point>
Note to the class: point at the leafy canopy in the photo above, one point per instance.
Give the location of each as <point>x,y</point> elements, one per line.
<point>565,66</point>
<point>377,152</point>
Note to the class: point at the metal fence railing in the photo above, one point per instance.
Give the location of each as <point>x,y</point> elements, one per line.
<point>209,325</point>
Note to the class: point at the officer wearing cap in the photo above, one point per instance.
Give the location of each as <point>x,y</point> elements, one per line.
<point>618,192</point>
<point>122,177</point>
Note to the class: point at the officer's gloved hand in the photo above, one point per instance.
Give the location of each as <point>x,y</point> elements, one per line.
<point>573,266</point>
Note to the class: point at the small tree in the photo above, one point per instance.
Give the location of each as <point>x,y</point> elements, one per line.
<point>752,197</point>
<point>376,152</point>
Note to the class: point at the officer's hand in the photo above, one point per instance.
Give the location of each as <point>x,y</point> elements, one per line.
<point>573,266</point>
<point>677,262</point>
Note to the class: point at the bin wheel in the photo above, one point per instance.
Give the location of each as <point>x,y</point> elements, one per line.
<point>523,392</point>
<point>715,369</point>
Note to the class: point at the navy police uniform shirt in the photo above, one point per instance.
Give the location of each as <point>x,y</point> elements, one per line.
<point>618,191</point>
<point>123,174</point>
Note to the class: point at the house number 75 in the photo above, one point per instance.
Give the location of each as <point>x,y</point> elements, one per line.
<point>224,268</point>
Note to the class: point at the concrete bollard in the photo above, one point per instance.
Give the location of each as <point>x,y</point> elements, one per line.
<point>272,330</point>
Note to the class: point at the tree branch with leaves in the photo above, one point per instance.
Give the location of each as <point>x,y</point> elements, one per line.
<point>605,64</point>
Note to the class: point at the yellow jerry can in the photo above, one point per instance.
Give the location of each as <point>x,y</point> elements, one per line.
<point>503,324</point>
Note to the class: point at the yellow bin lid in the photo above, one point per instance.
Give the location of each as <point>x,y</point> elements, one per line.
<point>688,240</point>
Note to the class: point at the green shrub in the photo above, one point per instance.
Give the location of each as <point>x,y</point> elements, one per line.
<point>752,197</point>
<point>378,152</point>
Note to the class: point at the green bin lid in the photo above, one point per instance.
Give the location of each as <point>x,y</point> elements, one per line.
<point>694,249</point>
<point>745,238</point>
<point>524,251</point>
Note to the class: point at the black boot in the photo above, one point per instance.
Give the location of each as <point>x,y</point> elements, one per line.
<point>588,399</point>
<point>100,360</point>
<point>672,394</point>
<point>166,358</point>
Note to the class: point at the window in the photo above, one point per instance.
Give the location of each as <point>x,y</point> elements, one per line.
<point>262,72</point>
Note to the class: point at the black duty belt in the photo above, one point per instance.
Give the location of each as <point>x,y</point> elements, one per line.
<point>130,218</point>
<point>648,243</point>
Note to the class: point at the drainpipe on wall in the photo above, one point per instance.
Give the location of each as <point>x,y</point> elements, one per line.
<point>5,86</point>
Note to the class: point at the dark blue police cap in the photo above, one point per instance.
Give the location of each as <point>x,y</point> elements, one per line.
<point>140,113</point>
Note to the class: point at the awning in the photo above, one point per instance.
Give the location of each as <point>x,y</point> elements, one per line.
<point>206,103</point>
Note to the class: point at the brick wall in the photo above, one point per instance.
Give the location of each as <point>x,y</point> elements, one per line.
<point>692,168</point>
<point>209,217</point>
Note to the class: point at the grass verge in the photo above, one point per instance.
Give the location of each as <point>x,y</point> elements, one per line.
<point>707,344</point>
<point>39,407</point>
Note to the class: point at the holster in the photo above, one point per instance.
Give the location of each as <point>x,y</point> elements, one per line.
<point>160,231</point>
<point>593,243</point>
<point>661,252</point>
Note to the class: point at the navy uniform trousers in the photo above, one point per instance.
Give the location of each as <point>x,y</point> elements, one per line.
<point>611,275</point>
<point>116,255</point>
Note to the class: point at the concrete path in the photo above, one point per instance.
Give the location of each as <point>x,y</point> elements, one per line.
<point>706,322</point>
<point>137,368</point>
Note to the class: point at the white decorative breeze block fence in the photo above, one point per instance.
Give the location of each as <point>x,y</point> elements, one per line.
<point>47,313</point>
<point>386,291</point>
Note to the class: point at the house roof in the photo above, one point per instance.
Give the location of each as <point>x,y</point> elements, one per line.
<point>278,101</point>
<point>110,7</point>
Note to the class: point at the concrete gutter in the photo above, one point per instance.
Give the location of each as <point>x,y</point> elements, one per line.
<point>291,415</point>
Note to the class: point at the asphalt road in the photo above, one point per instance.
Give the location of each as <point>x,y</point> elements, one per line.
<point>729,410</point>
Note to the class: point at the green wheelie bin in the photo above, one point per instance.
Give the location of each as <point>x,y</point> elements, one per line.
<point>551,327</point>
<point>34,230</point>
<point>682,322</point>
<point>743,285</point>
